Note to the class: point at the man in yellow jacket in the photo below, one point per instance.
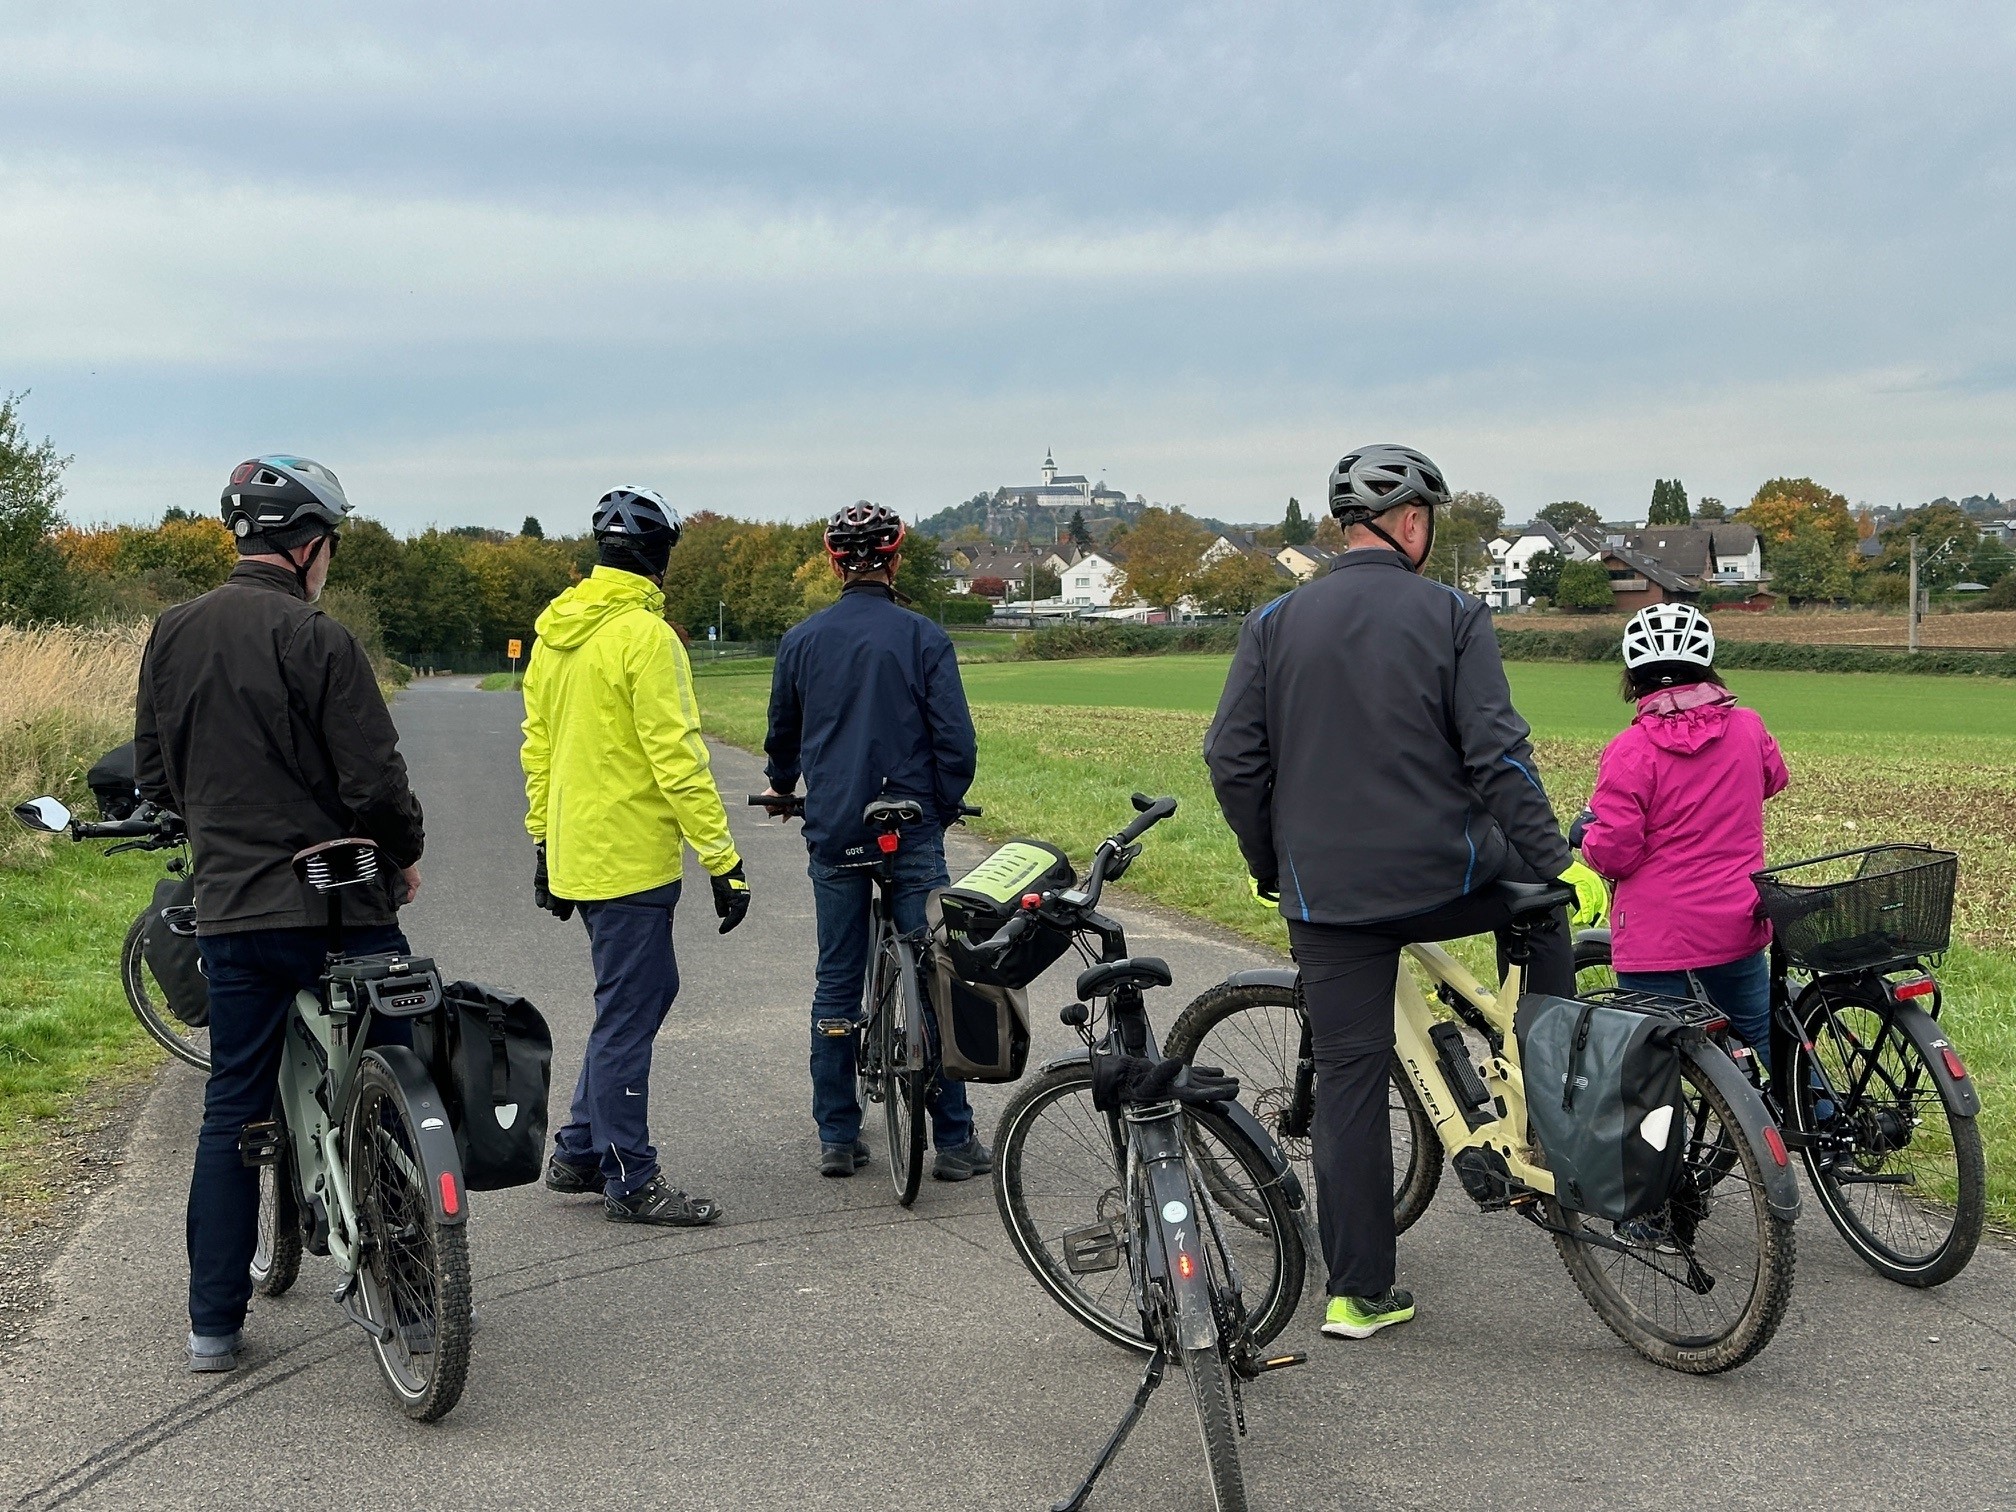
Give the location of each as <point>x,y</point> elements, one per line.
<point>617,783</point>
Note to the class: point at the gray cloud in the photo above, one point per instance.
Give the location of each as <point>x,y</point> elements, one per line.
<point>799,253</point>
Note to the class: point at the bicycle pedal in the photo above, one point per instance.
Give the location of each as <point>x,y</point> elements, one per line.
<point>835,1028</point>
<point>1279,1362</point>
<point>1090,1249</point>
<point>259,1143</point>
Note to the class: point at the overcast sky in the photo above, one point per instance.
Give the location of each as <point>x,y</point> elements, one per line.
<point>487,260</point>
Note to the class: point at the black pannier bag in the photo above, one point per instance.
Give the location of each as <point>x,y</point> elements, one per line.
<point>171,954</point>
<point>982,1010</point>
<point>111,783</point>
<point>495,1069</point>
<point>1603,1099</point>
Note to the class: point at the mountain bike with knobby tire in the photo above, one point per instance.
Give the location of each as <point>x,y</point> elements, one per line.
<point>179,1024</point>
<point>1139,1193</point>
<point>1704,1286</point>
<point>896,1046</point>
<point>1875,1098</point>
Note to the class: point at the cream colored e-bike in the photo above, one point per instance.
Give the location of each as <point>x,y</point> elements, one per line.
<point>1699,1286</point>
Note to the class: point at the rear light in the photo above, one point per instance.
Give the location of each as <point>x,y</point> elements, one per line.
<point>1954,1066</point>
<point>1776,1141</point>
<point>888,843</point>
<point>451,1203</point>
<point>1920,987</point>
<point>1185,1267</point>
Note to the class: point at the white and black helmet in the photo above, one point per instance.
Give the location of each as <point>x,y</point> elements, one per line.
<point>641,514</point>
<point>1669,633</point>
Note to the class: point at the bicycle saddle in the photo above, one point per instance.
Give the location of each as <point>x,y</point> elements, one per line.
<point>884,813</point>
<point>337,863</point>
<point>1133,971</point>
<point>1530,898</point>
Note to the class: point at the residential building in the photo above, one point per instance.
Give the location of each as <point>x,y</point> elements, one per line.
<point>1014,566</point>
<point>1305,561</point>
<point>1090,582</point>
<point>1663,563</point>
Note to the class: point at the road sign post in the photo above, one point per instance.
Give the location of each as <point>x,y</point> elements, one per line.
<point>515,649</point>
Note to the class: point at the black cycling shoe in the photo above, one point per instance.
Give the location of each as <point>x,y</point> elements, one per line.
<point>963,1162</point>
<point>842,1159</point>
<point>662,1205</point>
<point>572,1179</point>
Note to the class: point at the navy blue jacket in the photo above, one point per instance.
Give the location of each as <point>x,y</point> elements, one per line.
<point>866,700</point>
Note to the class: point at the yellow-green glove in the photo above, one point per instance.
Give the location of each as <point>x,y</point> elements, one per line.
<point>1592,897</point>
<point>1266,894</point>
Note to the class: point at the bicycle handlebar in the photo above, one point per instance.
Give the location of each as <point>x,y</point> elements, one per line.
<point>158,826</point>
<point>792,805</point>
<point>1120,847</point>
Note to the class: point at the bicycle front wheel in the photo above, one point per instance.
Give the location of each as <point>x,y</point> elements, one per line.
<point>1899,1173</point>
<point>188,1043</point>
<point>1254,1031</point>
<point>1058,1186</point>
<point>413,1282</point>
<point>901,1091</point>
<point>1700,1284</point>
<point>276,1259</point>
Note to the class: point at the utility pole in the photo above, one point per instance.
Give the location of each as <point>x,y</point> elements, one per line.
<point>1913,641</point>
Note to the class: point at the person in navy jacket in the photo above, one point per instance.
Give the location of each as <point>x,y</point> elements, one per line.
<point>865,703</point>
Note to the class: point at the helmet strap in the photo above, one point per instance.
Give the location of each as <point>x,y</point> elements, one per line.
<point>1412,565</point>
<point>302,569</point>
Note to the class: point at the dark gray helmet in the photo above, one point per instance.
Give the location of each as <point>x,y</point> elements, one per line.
<point>282,502</point>
<point>1374,479</point>
<point>862,537</point>
<point>639,515</point>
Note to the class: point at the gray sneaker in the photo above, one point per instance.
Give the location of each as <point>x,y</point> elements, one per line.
<point>963,1162</point>
<point>842,1159</point>
<point>210,1353</point>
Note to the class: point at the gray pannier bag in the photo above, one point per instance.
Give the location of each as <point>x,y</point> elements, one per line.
<point>1603,1099</point>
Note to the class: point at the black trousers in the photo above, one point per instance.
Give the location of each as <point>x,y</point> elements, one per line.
<point>1348,976</point>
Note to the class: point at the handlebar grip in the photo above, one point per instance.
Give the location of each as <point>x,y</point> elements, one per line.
<point>1150,816</point>
<point>1005,936</point>
<point>790,803</point>
<point>119,829</point>
<point>969,811</point>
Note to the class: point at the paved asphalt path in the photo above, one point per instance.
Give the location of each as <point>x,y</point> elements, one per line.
<point>822,1347</point>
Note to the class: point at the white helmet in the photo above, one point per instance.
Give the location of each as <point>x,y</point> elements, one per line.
<point>1669,633</point>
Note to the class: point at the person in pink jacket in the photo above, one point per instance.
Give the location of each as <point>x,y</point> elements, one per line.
<point>1677,824</point>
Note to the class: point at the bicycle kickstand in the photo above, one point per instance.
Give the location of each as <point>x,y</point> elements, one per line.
<point>1150,1379</point>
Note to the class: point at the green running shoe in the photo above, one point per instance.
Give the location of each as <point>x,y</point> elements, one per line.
<point>1360,1318</point>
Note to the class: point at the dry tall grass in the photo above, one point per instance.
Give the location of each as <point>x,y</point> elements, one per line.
<point>66,697</point>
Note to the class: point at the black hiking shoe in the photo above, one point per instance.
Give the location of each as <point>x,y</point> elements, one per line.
<point>842,1159</point>
<point>662,1205</point>
<point>963,1162</point>
<point>573,1180</point>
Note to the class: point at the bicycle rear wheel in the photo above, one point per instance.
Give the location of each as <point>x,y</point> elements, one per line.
<point>1899,1173</point>
<point>1058,1186</point>
<point>1254,1031</point>
<point>413,1282</point>
<point>1701,1284</point>
<point>1211,1389</point>
<point>188,1043</point>
<point>900,1092</point>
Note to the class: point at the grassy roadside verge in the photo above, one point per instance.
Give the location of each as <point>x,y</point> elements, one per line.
<point>65,1029</point>
<point>1064,773</point>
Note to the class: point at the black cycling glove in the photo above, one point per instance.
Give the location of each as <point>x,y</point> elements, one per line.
<point>1133,1080</point>
<point>731,897</point>
<point>542,894</point>
<point>1581,822</point>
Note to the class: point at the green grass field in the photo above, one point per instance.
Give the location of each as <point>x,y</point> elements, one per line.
<point>1873,757</point>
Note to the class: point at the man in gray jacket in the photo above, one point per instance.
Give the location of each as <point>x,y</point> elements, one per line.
<point>1367,755</point>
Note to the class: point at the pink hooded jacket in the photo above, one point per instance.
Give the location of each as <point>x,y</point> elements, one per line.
<point>1679,828</point>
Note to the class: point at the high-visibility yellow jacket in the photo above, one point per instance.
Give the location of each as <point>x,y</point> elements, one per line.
<point>616,775</point>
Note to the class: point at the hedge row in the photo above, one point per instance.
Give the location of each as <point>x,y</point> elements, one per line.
<point>1108,638</point>
<point>1604,646</point>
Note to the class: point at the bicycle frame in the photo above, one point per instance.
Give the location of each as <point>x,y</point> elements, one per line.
<point>318,1070</point>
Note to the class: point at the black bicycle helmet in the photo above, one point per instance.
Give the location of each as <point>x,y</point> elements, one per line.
<point>277,503</point>
<point>640,514</point>
<point>863,536</point>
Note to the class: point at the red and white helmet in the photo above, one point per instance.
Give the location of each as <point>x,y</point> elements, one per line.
<point>1669,633</point>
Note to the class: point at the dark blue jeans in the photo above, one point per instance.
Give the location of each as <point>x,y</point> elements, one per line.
<point>1741,989</point>
<point>253,978</point>
<point>841,896</point>
<point>636,979</point>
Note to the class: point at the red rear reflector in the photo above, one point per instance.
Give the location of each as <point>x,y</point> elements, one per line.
<point>1777,1143</point>
<point>888,843</point>
<point>1953,1065</point>
<point>450,1203</point>
<point>1185,1267</point>
<point>1923,987</point>
<point>1032,900</point>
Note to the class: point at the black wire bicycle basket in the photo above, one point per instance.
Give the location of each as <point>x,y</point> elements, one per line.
<point>1859,909</point>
